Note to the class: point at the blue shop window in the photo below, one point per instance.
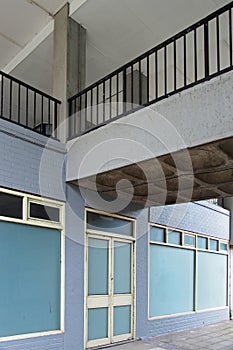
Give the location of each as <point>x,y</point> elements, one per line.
<point>174,237</point>
<point>30,279</point>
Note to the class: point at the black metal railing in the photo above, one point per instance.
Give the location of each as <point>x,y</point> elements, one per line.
<point>27,106</point>
<point>194,55</point>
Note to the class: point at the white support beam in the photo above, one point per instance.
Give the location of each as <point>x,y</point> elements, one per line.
<point>30,47</point>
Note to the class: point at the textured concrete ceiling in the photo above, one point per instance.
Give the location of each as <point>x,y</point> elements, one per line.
<point>159,181</point>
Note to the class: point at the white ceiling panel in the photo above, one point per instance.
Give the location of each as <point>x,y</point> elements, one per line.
<point>52,6</point>
<point>21,20</point>
<point>8,51</point>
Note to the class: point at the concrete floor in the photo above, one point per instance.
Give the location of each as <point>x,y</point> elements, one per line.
<point>214,337</point>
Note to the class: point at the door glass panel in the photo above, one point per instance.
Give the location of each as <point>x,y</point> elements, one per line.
<point>97,266</point>
<point>98,323</point>
<point>109,224</point>
<point>122,320</point>
<point>122,268</point>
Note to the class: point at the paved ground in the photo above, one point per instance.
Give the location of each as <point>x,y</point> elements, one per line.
<point>214,337</point>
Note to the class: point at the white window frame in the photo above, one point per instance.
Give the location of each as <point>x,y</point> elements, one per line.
<point>26,220</point>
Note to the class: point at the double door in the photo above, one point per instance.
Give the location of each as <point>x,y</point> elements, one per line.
<point>110,297</point>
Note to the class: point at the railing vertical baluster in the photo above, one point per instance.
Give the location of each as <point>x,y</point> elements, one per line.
<point>124,90</point>
<point>91,106</point>
<point>117,93</point>
<point>55,119</point>
<point>174,61</point>
<point>195,54</point>
<point>206,48</point>
<point>85,104</point>
<point>42,114</point>
<point>49,111</point>
<point>185,61</point>
<point>19,100</point>
<point>104,101</point>
<point>156,75</point>
<point>10,102</point>
<point>132,87</point>
<point>165,70</point>
<point>2,94</point>
<point>140,81</point>
<point>34,109</point>
<point>97,104</point>
<point>230,35</point>
<point>26,106</point>
<point>110,98</point>
<point>70,118</point>
<point>218,43</point>
<point>148,79</point>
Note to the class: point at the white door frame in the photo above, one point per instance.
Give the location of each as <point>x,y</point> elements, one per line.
<point>110,300</point>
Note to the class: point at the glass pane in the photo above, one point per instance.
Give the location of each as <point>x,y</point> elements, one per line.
<point>98,323</point>
<point>122,320</point>
<point>201,242</point>
<point>109,224</point>
<point>30,285</point>
<point>171,280</point>
<point>211,280</point>
<point>213,244</point>
<point>223,246</point>
<point>122,268</point>
<point>45,212</point>
<point>11,206</point>
<point>189,240</point>
<point>174,237</point>
<point>97,266</point>
<point>157,234</point>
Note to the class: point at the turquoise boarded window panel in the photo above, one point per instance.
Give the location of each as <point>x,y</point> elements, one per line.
<point>171,280</point>
<point>122,320</point>
<point>30,279</point>
<point>122,268</point>
<point>98,323</point>
<point>211,280</point>
<point>97,266</point>
<point>107,223</point>
<point>157,234</point>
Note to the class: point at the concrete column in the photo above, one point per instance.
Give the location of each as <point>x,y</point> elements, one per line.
<point>69,64</point>
<point>228,204</point>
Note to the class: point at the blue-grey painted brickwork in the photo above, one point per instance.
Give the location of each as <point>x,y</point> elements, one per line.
<point>31,162</point>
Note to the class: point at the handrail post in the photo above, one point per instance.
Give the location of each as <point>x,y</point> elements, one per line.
<point>206,48</point>
<point>124,91</point>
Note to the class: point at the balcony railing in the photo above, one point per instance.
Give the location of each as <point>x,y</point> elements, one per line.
<point>194,55</point>
<point>27,106</point>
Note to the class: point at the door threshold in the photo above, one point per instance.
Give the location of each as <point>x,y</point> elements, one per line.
<point>114,344</point>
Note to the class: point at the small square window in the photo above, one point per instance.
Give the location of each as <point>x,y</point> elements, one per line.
<point>213,244</point>
<point>202,243</point>
<point>157,234</point>
<point>223,246</point>
<point>44,212</point>
<point>189,240</point>
<point>174,237</point>
<point>11,206</point>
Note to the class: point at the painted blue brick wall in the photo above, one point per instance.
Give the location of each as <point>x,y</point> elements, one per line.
<point>198,217</point>
<point>31,162</point>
